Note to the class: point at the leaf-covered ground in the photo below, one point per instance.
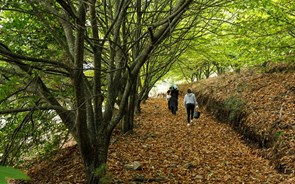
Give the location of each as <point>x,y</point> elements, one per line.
<point>206,152</point>
<point>262,104</point>
<point>168,151</point>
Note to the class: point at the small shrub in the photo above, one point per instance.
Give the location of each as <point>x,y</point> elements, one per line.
<point>234,107</point>
<point>101,172</point>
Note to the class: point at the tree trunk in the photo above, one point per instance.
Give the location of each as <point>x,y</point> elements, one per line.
<point>127,124</point>
<point>95,165</point>
<point>129,116</point>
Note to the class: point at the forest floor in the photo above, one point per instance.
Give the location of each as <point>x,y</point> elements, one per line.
<point>169,152</point>
<point>163,149</point>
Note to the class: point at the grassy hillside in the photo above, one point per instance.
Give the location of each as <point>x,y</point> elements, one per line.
<point>260,104</point>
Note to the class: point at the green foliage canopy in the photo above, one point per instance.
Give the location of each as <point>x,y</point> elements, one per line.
<point>244,33</point>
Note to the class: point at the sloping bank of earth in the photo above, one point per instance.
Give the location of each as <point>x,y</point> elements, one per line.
<point>260,104</point>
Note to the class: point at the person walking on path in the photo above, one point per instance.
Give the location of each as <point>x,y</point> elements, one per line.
<point>190,103</point>
<point>174,100</point>
<point>168,97</point>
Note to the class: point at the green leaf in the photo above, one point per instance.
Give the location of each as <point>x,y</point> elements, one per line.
<point>10,172</point>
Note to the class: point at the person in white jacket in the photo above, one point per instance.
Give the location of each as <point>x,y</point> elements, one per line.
<point>190,103</point>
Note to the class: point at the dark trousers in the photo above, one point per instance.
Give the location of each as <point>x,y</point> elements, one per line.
<point>190,111</point>
<point>173,105</point>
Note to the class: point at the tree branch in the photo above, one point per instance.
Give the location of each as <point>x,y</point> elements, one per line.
<point>37,108</point>
<point>5,52</point>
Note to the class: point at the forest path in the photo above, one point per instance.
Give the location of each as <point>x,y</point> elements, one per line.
<point>168,152</point>
<point>171,152</point>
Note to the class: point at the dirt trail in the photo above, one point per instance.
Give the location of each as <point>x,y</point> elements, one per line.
<point>171,152</point>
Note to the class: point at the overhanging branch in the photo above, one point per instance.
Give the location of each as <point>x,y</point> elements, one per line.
<point>37,108</point>
<point>5,52</point>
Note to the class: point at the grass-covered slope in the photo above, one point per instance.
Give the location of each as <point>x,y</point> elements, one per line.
<point>260,104</point>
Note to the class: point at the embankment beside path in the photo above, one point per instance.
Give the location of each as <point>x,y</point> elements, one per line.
<point>260,104</point>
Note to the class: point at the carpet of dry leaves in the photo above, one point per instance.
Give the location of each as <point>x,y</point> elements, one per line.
<point>269,112</point>
<point>170,152</point>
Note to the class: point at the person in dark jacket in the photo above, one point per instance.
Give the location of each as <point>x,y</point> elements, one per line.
<point>168,97</point>
<point>174,100</point>
<point>190,103</point>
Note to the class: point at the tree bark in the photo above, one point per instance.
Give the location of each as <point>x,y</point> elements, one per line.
<point>128,121</point>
